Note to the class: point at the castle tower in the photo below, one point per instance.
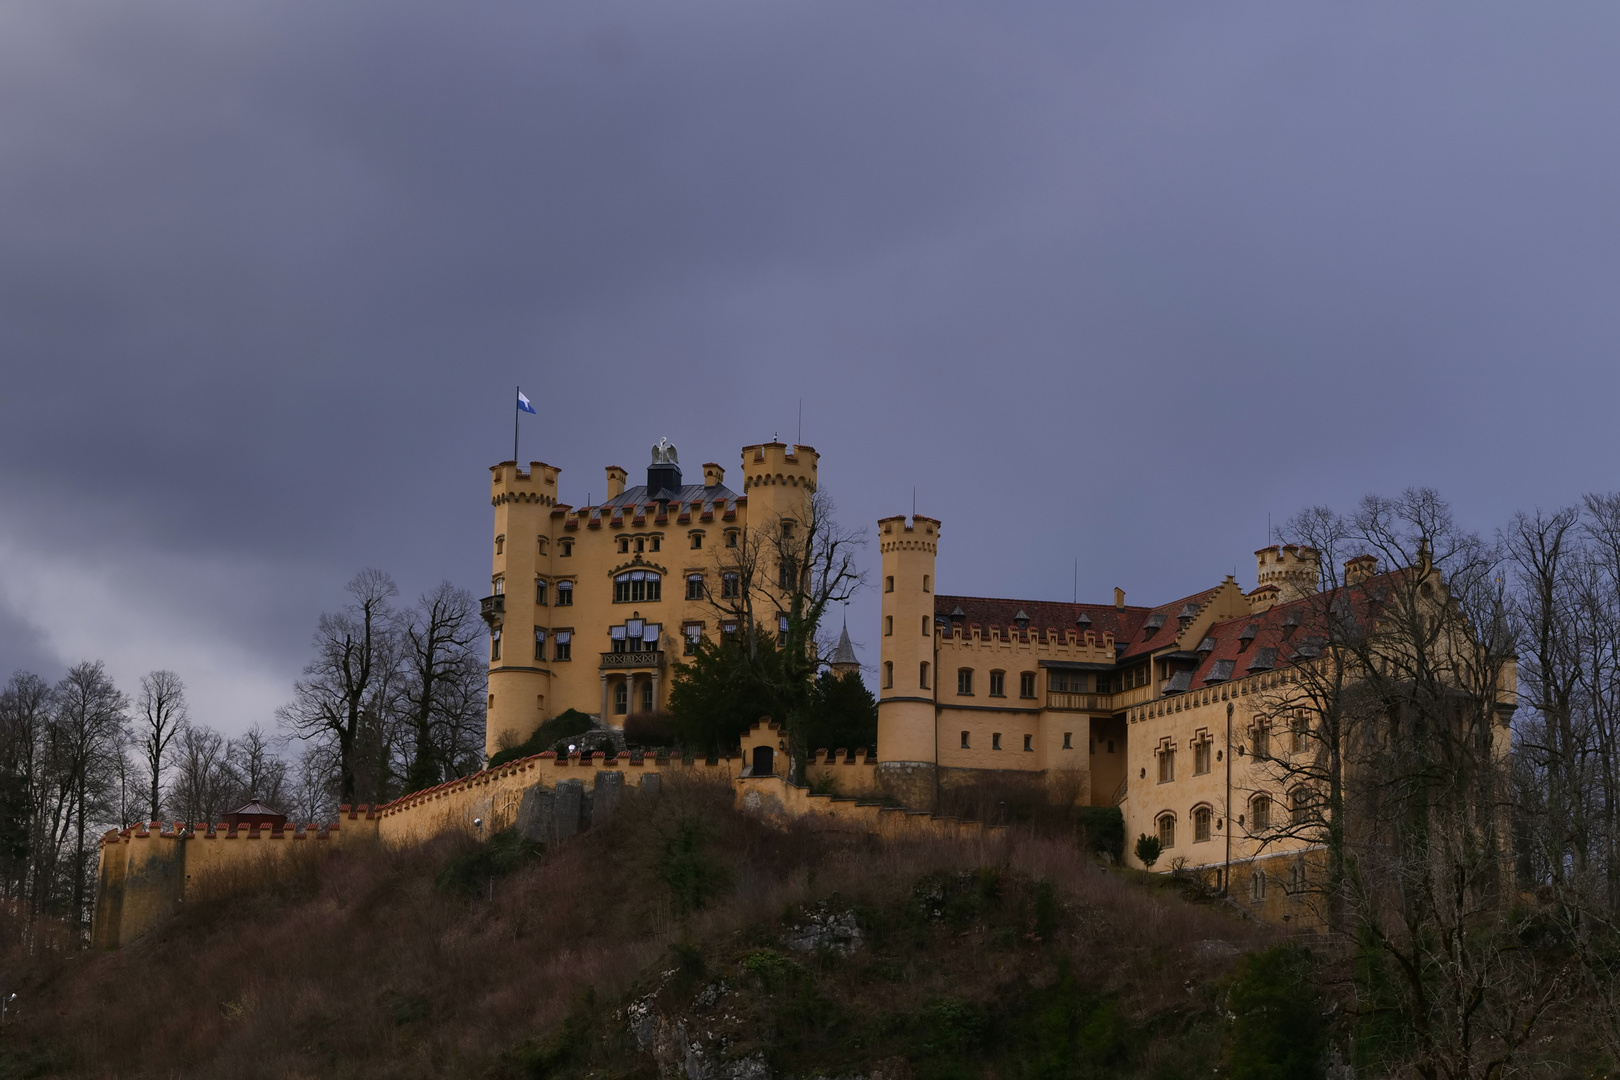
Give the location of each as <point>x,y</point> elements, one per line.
<point>844,661</point>
<point>1295,571</point>
<point>519,680</point>
<point>907,758</point>
<point>778,482</point>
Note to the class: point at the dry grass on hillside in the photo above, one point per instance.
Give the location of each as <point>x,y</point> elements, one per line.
<point>363,967</point>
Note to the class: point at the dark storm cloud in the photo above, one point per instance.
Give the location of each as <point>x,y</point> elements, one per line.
<point>1102,283</point>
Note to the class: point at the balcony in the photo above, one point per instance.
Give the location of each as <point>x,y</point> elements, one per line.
<point>1073,702</point>
<point>493,609</point>
<point>622,660</point>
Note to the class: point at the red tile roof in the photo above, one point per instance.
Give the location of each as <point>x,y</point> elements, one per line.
<point>986,612</point>
<point>1165,636</point>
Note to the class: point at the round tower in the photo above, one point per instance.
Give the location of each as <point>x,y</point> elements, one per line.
<point>1295,571</point>
<point>519,680</point>
<point>907,758</point>
<point>778,481</point>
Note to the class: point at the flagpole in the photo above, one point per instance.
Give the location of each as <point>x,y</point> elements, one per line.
<point>516,412</point>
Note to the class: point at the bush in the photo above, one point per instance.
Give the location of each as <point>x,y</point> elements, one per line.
<point>1276,1009</point>
<point>471,872</point>
<point>686,864</point>
<point>1148,849</point>
<point>1105,830</point>
<point>568,724</point>
<point>652,729</point>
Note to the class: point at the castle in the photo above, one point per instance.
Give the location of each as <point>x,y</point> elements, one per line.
<point>1173,713</point>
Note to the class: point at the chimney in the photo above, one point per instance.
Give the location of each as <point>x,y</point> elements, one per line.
<point>616,477</point>
<point>1119,597</point>
<point>1360,568</point>
<point>713,475</point>
<point>664,474</point>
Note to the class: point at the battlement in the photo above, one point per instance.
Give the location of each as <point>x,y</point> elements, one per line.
<point>508,482</point>
<point>1090,647</point>
<point>919,534</point>
<point>776,463</point>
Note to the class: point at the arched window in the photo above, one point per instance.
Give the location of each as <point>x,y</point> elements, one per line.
<point>697,540</point>
<point>621,697</point>
<point>964,680</point>
<point>1201,816</point>
<point>925,583</point>
<point>927,628</point>
<point>495,644</point>
<point>565,594</point>
<point>922,675</point>
<point>888,626</point>
<point>888,674</point>
<point>998,684</point>
<point>539,643</point>
<point>540,591</point>
<point>637,587</point>
<point>1167,831</point>
<point>888,583</point>
<point>1257,885</point>
<point>500,545</point>
<point>500,586</point>
<point>1296,877</point>
<point>1260,811</point>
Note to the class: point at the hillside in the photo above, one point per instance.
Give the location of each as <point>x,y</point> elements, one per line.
<point>680,937</point>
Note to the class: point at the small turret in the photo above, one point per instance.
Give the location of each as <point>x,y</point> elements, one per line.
<point>1294,570</point>
<point>844,661</point>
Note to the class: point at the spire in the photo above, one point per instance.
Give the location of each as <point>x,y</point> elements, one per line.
<point>844,659</point>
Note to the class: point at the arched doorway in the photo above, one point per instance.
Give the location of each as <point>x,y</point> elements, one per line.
<point>764,761</point>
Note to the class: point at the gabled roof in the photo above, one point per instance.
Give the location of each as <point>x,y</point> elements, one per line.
<point>1044,615</point>
<point>690,495</point>
<point>256,807</point>
<point>1168,618</point>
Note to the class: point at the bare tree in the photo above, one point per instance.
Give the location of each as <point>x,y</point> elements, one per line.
<point>257,771</point>
<point>161,713</point>
<point>84,749</point>
<point>443,673</point>
<point>204,786</point>
<point>338,699</point>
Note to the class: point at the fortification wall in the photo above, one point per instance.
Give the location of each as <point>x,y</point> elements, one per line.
<point>773,799</point>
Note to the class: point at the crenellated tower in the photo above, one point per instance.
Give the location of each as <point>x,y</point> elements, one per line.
<point>907,754</point>
<point>526,513</point>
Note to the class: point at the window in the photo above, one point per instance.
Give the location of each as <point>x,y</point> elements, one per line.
<point>728,629</point>
<point>731,538</point>
<point>540,592</point>
<point>1299,806</point>
<point>925,583</point>
<point>694,586</point>
<point>965,745</point>
<point>624,545</point>
<point>567,549</point>
<point>542,544</point>
<point>1167,764</point>
<point>1167,831</point>
<point>494,644</point>
<point>888,674</point>
<point>693,633</point>
<point>1201,756</point>
<point>888,626</point>
<point>995,740</point>
<point>646,696</point>
<point>1262,813</point>
<point>998,684</point>
<point>562,645</point>
<point>657,543</point>
<point>787,529</point>
<point>621,697</point>
<point>1257,885</point>
<point>637,586</point>
<point>730,589</point>
<point>697,541</point>
<point>781,630</point>
<point>539,643</point>
<point>500,586</point>
<point>1201,816</point>
<point>785,575</point>
<point>1066,682</point>
<point>1262,740</point>
<point>1296,876</point>
<point>1026,684</point>
<point>922,675</point>
<point>1029,743</point>
<point>964,681</point>
<point>1297,731</point>
<point>565,594</point>
<point>1136,676</point>
<point>888,583</point>
<point>927,629</point>
<point>1067,743</point>
<point>500,545</point>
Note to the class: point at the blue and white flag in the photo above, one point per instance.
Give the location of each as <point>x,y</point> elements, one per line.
<point>523,404</point>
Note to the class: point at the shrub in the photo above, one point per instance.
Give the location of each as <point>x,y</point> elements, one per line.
<point>685,863</point>
<point>1148,849</point>
<point>565,725</point>
<point>652,729</point>
<point>1276,1009</point>
<point>1105,830</point>
<point>471,872</point>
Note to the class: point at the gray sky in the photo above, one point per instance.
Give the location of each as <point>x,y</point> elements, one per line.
<point>1106,282</point>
